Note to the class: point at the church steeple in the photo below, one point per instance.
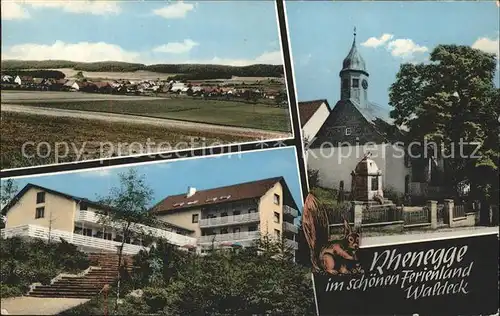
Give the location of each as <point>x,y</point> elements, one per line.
<point>353,60</point>
<point>354,77</point>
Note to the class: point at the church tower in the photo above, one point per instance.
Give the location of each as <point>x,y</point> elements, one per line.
<point>354,77</point>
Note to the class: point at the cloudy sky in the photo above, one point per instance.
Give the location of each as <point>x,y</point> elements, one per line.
<point>388,34</point>
<point>226,32</point>
<point>169,178</point>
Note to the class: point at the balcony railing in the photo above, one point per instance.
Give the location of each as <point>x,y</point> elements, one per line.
<point>35,231</point>
<point>292,244</point>
<point>171,237</point>
<point>230,220</point>
<point>229,237</point>
<point>290,211</point>
<point>291,227</point>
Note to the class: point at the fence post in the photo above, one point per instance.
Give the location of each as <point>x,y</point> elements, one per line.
<point>449,205</point>
<point>358,214</point>
<point>432,206</point>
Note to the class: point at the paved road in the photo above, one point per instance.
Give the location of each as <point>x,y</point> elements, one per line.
<point>415,236</point>
<point>133,119</point>
<point>26,305</point>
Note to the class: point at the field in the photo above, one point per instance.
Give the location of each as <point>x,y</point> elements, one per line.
<point>233,113</point>
<point>87,136</point>
<point>131,75</point>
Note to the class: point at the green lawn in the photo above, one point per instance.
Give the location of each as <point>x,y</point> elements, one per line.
<point>259,116</point>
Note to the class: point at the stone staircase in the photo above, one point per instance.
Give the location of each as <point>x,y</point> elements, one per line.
<point>104,270</point>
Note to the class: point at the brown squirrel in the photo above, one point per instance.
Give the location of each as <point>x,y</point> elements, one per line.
<point>336,256</point>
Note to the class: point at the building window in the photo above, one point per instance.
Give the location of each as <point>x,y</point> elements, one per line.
<point>40,212</point>
<point>276,199</point>
<point>348,131</point>
<point>374,183</point>
<point>40,197</point>
<point>277,233</point>
<point>87,232</point>
<point>252,210</point>
<point>355,83</point>
<point>108,236</point>
<point>223,214</point>
<point>236,213</point>
<point>194,219</point>
<point>252,228</point>
<point>223,231</point>
<point>276,217</point>
<point>236,230</point>
<point>83,206</point>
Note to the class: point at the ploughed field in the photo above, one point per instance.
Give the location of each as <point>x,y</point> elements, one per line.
<point>90,139</point>
<point>233,113</point>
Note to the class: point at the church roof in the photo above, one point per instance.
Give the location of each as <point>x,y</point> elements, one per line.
<point>353,60</point>
<point>375,116</point>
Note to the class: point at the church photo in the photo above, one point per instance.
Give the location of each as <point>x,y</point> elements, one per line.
<point>399,137</point>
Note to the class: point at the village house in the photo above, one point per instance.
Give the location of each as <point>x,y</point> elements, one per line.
<point>39,212</point>
<point>234,215</point>
<point>23,80</point>
<point>7,79</point>
<point>312,116</point>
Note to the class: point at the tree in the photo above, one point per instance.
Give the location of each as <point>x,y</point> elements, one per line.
<point>79,75</point>
<point>9,190</point>
<point>451,99</point>
<point>127,205</point>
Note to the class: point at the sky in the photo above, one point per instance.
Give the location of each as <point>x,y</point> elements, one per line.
<point>388,33</point>
<point>226,32</point>
<point>174,177</point>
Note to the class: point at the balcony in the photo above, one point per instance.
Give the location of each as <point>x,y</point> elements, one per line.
<point>34,231</point>
<point>290,227</point>
<point>287,210</point>
<point>229,237</point>
<point>230,220</point>
<point>292,244</point>
<point>171,237</point>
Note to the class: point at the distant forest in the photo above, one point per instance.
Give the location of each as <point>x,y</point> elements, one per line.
<point>185,71</point>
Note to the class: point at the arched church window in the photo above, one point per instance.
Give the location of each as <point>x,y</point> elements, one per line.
<point>374,183</point>
<point>355,83</point>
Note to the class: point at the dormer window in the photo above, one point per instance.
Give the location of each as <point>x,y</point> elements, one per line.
<point>348,131</point>
<point>355,83</point>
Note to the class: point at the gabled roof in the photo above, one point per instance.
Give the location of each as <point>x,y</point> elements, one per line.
<point>308,108</point>
<point>67,196</point>
<point>237,192</point>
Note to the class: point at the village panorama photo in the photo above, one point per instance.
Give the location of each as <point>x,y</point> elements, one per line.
<point>399,117</point>
<point>87,80</point>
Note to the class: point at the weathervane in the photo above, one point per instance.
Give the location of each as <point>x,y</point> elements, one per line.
<point>354,32</point>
